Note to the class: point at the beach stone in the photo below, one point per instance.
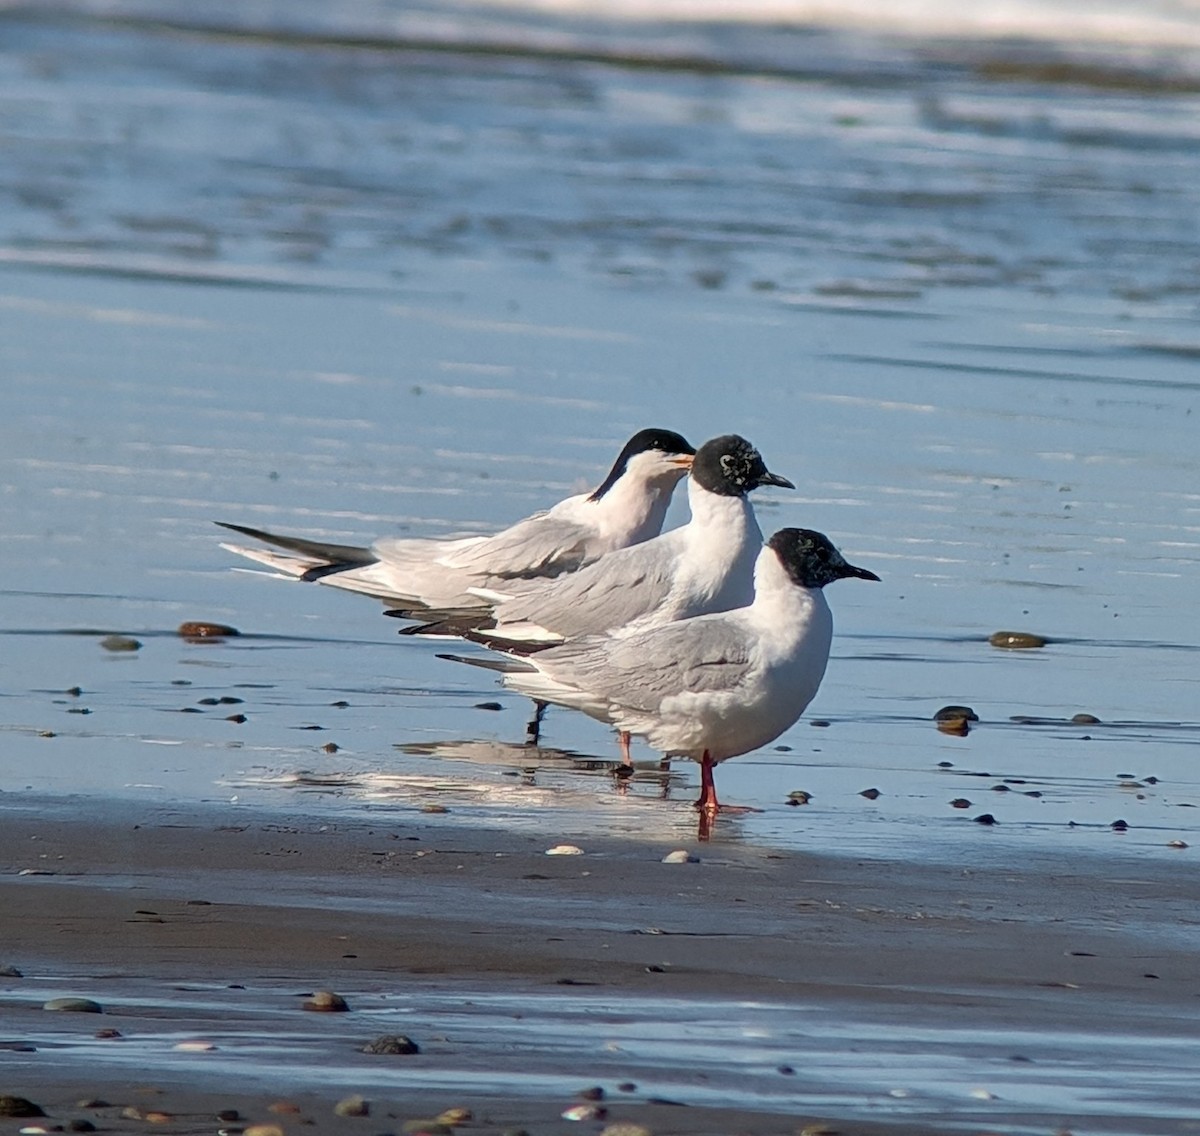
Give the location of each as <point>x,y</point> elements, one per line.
<point>326,1002</point>
<point>330,747</point>
<point>453,1117</point>
<point>352,1106</point>
<point>434,809</point>
<point>262,1130</point>
<point>591,1093</point>
<point>960,803</point>
<point>392,1044</point>
<point>1016,640</point>
<point>956,727</point>
<point>120,643</point>
<point>106,1035</point>
<point>679,856</point>
<point>564,850</point>
<point>203,629</point>
<point>488,706</point>
<point>19,1106</point>
<point>624,1128</point>
<point>10,972</point>
<point>584,1112</point>
<point>81,1126</point>
<point>284,1108</point>
<point>229,1115</point>
<point>985,818</point>
<point>1119,826</point>
<point>871,794</point>
<point>1085,720</point>
<point>955,713</point>
<point>73,1006</point>
<point>627,1087</point>
<point>1176,843</point>
<point>799,797</point>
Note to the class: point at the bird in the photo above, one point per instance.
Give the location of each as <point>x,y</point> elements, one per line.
<point>711,687</point>
<point>704,566</point>
<point>432,577</point>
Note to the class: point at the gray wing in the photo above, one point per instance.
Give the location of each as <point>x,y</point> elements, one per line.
<point>704,655</point>
<point>539,547</point>
<point>618,588</point>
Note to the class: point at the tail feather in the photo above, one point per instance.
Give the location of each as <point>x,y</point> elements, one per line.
<point>332,556</point>
<point>504,666</point>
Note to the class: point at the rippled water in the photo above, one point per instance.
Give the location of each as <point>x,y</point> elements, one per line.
<point>282,276</point>
<point>353,291</point>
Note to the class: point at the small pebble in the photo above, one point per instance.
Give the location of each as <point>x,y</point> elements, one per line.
<point>74,1006</point>
<point>1016,640</point>
<point>679,856</point>
<point>627,1087</point>
<point>956,727</point>
<point>956,713</point>
<point>624,1128</point>
<point>326,1002</point>
<point>1176,844</point>
<point>592,1093</point>
<point>352,1106</point>
<point>81,1126</point>
<point>262,1130</point>
<point>238,718</point>
<point>47,734</point>
<point>106,1035</point>
<point>392,1044</point>
<point>799,797</point>
<point>329,747</point>
<point>960,803</point>
<point>564,850</point>
<point>93,1102</point>
<point>434,809</point>
<point>10,972</point>
<point>452,1117</point>
<point>195,1047</point>
<point>488,706</point>
<point>985,818</point>
<point>1119,826</point>
<point>1085,720</point>
<point>120,643</point>
<point>202,629</point>
<point>284,1108</point>
<point>584,1112</point>
<point>871,794</point>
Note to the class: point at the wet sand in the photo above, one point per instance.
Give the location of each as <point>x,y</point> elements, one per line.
<point>261,911</point>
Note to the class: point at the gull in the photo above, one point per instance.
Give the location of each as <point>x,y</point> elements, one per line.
<point>704,566</point>
<point>432,576</point>
<point>712,687</point>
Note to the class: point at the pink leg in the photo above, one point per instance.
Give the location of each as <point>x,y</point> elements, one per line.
<point>623,737</point>
<point>708,791</point>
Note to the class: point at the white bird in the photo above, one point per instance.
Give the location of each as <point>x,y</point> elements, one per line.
<point>704,566</point>
<point>429,576</point>
<point>712,687</point>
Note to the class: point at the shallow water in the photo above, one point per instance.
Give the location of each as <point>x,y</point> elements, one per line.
<point>354,290</point>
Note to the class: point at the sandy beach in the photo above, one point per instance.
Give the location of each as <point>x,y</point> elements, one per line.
<point>134,907</point>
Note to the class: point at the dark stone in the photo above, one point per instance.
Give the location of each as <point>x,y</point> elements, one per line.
<point>392,1045</point>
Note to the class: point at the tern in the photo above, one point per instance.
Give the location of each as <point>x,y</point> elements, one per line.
<point>432,576</point>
